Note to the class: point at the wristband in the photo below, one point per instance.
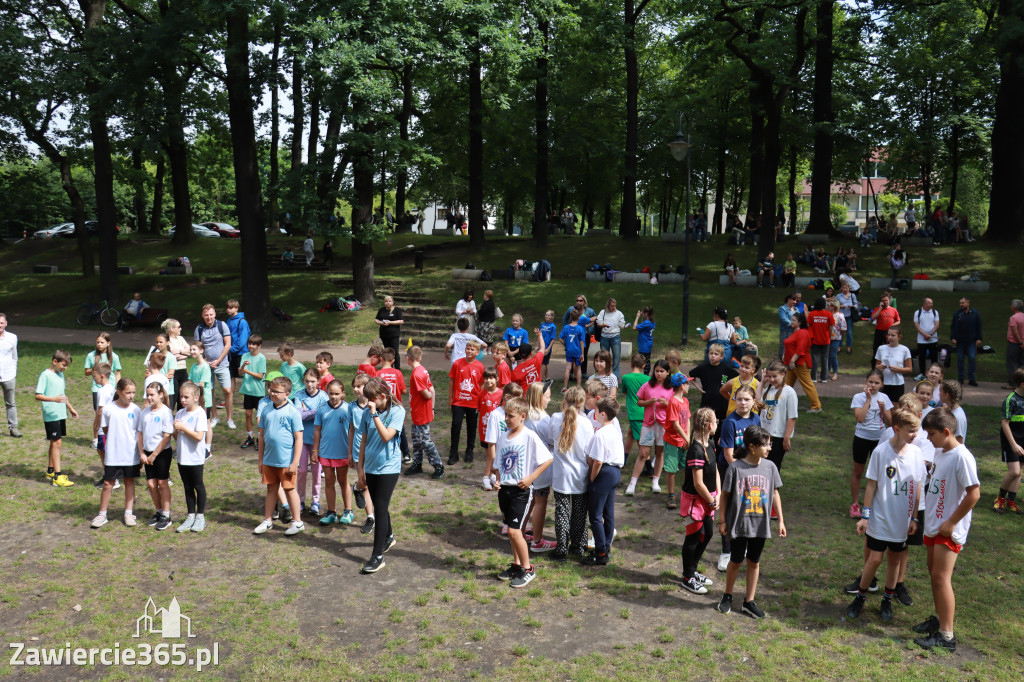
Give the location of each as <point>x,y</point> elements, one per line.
<point>865,513</point>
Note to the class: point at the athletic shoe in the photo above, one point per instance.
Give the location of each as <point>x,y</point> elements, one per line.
<point>266,525</point>
<point>998,505</point>
<point>935,640</point>
<point>277,511</point>
<point>525,577</point>
<point>249,442</point>
<point>214,422</point>
<point>723,561</point>
<point>671,502</point>
<point>468,459</point>
<point>414,469</point>
<point>328,518</point>
<point>543,545</point>
<point>347,518</point>
<point>391,542</point>
<point>704,580</point>
<point>406,459</point>
<point>99,521</point>
<point>694,585</point>
<point>453,458</point>
<point>655,486</point>
<point>62,481</point>
<point>154,519</point>
<point>367,526</point>
<point>814,410</point>
<point>163,524</point>
<point>15,433</point>
<point>903,595</point>
<point>95,443</point>
<point>49,477</point>
<point>753,610</point>
<point>927,627</point>
<point>886,610</point>
<point>373,565</point>
<point>595,559</point>
<point>117,484</point>
<point>129,520</point>
<point>231,424</point>
<point>504,529</point>
<point>314,509</point>
<point>186,525</point>
<point>854,511</point>
<point>511,571</point>
<point>725,606</point>
<point>360,496</point>
<point>485,483</point>
<point>854,587</point>
<point>294,529</point>
<point>438,473</point>
<point>855,607</point>
<point>972,382</point>
<point>920,377</point>
<point>630,490</point>
<point>286,515</point>
<point>774,515</point>
<point>200,524</point>
<point>222,404</point>
<point>1011,506</point>
<point>98,484</point>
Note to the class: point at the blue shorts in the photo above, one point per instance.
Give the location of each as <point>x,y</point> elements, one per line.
<point>574,361</point>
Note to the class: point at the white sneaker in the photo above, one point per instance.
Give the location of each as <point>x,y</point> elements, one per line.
<point>494,480</point>
<point>95,443</point>
<point>655,486</point>
<point>263,527</point>
<point>214,422</point>
<point>231,424</point>
<point>117,484</point>
<point>129,519</point>
<point>294,529</point>
<point>723,562</point>
<point>486,483</point>
<point>630,490</point>
<point>99,521</point>
<point>186,525</point>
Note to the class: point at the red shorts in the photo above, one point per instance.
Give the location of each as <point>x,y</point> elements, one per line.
<point>333,463</point>
<point>944,541</point>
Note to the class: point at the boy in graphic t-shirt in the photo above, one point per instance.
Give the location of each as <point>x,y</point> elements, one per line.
<point>466,375</point>
<point>421,404</point>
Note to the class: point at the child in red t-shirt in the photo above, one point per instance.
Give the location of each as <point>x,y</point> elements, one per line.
<point>396,384</point>
<point>421,408</point>
<point>466,376</point>
<point>530,369</point>
<point>499,352</point>
<point>488,398</point>
<point>677,434</point>
<point>373,358</point>
<point>324,360</point>
<point>820,323</point>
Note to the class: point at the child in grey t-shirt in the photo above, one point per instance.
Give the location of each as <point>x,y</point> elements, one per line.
<point>749,491</point>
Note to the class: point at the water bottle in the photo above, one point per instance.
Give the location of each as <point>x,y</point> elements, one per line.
<point>700,330</point>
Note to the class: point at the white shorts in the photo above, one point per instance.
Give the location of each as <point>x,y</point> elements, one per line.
<point>652,435</point>
<point>223,374</point>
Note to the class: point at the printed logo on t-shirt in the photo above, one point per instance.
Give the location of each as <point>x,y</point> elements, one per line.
<point>510,460</point>
<point>753,501</point>
<point>890,471</point>
<point>466,385</point>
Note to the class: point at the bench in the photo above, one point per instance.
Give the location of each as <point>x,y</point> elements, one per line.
<point>528,276</point>
<point>121,269</point>
<point>151,317</point>
<point>177,270</point>
<point>599,232</point>
<point>44,269</point>
<point>631,278</point>
<point>463,273</point>
<point>967,285</point>
<point>741,280</point>
<point>595,276</point>
<point>625,351</point>
<point>931,285</point>
<point>443,231</point>
<point>678,237</point>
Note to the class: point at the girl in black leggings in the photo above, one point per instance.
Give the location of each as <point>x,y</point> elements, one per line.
<point>380,463</point>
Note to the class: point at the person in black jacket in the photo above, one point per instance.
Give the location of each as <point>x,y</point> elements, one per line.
<point>965,335</point>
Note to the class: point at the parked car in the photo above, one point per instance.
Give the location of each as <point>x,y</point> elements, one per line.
<point>223,229</point>
<point>93,228</point>
<point>66,230</point>
<point>199,231</point>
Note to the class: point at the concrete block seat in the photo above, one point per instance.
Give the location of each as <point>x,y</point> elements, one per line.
<point>463,273</point>
<point>741,280</point>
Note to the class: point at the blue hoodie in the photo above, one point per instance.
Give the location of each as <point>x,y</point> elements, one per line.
<point>239,333</point>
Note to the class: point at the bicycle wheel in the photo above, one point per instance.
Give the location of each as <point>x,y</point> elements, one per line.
<point>110,317</point>
<point>84,315</point>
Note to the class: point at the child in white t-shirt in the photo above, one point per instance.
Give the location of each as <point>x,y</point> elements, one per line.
<point>871,409</point>
<point>951,392</point>
<point>570,432</point>
<point>119,421</point>
<point>103,396</point>
<point>190,429</point>
<point>606,456</point>
<point>155,429</point>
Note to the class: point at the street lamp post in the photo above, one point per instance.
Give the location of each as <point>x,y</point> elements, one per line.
<point>681,150</point>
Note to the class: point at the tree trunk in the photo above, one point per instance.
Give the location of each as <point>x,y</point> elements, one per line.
<point>769,190</point>
<point>820,221</point>
<point>313,145</point>
<point>157,216</point>
<point>716,222</point>
<point>362,213</point>
<point>540,187</point>
<point>139,195</point>
<point>757,141</point>
<point>248,193</point>
<point>608,213</point>
<point>177,156</point>
<point>792,190</point>
<point>275,124</point>
<point>404,116</point>
<point>627,220</point>
<point>954,166</point>
<point>298,107</point>
<point>476,144</point>
<point>1006,217</point>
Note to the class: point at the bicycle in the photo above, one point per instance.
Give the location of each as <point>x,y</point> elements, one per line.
<point>88,312</point>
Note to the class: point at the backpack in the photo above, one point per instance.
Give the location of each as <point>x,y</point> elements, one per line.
<point>281,315</point>
<point>485,276</point>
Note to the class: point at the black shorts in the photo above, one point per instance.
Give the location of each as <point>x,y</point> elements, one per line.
<point>894,391</point>
<point>160,469</point>
<point>862,449</point>
<point>917,538</point>
<point>95,400</point>
<point>542,492</point>
<point>547,358</point>
<point>111,473</point>
<point>514,503</point>
<point>747,548</point>
<point>777,453</point>
<point>56,430</point>
<point>234,362</point>
<point>251,402</point>
<point>876,545</point>
<point>1009,456</point>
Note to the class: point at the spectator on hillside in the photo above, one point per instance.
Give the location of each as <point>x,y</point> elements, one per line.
<point>307,248</point>
<point>1014,341</point>
<point>132,310</point>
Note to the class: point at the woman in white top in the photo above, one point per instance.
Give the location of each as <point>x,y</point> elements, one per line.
<point>719,331</point>
<point>466,308</point>
<point>569,434</point>
<point>178,345</point>
<point>611,322</point>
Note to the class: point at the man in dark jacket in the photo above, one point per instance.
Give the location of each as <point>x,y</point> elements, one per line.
<point>965,335</point>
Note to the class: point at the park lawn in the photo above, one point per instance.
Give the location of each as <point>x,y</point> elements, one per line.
<point>297,608</point>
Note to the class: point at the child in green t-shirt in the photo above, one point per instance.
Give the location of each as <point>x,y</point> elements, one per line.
<point>789,271</point>
<point>631,383</point>
<point>56,406</point>
<point>253,367</point>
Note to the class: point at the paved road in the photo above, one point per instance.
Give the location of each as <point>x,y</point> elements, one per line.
<point>987,394</point>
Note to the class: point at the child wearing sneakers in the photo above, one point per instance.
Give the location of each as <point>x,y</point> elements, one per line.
<point>358,410</point>
<point>121,454</point>
<point>495,427</point>
<point>548,333</point>
<point>571,435</point>
<point>280,448</point>
<point>308,402</point>
<point>56,407</point>
<point>605,456</point>
<point>201,374</point>
<point>871,409</point>
<point>252,366</point>
<point>951,392</point>
<point>466,376</point>
<point>1011,440</point>
<point>952,491</point>
<point>572,337</point>
<point>730,443</point>
<point>488,397</point>
<point>896,474</point>
<point>395,381</point>
<point>155,430</point>
<point>192,432</point>
<point>515,336</point>
<point>291,369</point>
<point>778,413</point>
<point>653,397</point>
<point>103,397</point>
<point>331,451</point>
<point>529,369</point>
<point>698,499</point>
<point>631,383</point>
<point>521,457</point>
<point>421,409</point>
<point>750,490</point>
<point>677,434</point>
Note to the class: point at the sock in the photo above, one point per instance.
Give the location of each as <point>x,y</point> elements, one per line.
<point>129,511</point>
<point>1002,494</point>
<point>49,470</point>
<point>1011,496</point>
<point>889,594</point>
<point>655,479</point>
<point>862,594</point>
<point>632,481</point>
<point>103,512</point>
<point>369,516</point>
<point>285,506</point>
<point>946,635</point>
<point>201,516</point>
<point>249,433</point>
<point>56,474</point>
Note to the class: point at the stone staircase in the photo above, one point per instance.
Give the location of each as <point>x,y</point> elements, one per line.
<point>427,322</point>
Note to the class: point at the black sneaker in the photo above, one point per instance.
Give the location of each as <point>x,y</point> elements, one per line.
<point>368,526</point>
<point>154,519</point>
<point>725,606</point>
<point>903,595</point>
<point>164,523</point>
<point>595,559</point>
<point>374,564</point>
<point>511,571</point>
<point>286,515</point>
<point>526,575</point>
<point>927,627</point>
<point>855,607</point>
<point>438,473</point>
<point>468,459</point>
<point>277,511</point>
<point>406,459</point>
<point>360,497</point>
<point>886,611</point>
<point>391,542</point>
<point>753,610</point>
<point>248,442</point>
<point>854,587</point>
<point>937,641</point>
<point>453,458</point>
<point>414,469</point>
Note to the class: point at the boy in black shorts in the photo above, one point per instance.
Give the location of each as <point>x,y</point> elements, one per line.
<point>1011,438</point>
<point>252,367</point>
<point>56,406</point>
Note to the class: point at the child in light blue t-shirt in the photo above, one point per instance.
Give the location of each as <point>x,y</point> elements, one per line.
<point>280,446</point>
<point>308,401</point>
